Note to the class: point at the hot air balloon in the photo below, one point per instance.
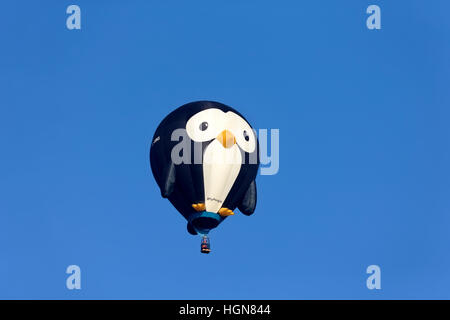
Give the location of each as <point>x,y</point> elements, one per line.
<point>204,157</point>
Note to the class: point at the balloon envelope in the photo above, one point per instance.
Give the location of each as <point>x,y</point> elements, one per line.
<point>204,157</point>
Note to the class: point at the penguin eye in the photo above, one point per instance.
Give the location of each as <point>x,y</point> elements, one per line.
<point>206,125</point>
<point>203,126</point>
<point>246,136</point>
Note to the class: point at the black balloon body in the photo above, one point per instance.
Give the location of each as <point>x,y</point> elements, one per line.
<point>204,157</point>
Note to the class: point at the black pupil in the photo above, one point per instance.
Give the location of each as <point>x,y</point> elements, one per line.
<point>203,126</point>
<point>246,136</point>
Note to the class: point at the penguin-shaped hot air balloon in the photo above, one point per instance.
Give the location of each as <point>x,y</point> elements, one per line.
<point>204,157</point>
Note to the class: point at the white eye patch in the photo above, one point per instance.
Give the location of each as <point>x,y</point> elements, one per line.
<point>205,125</point>
<point>245,137</point>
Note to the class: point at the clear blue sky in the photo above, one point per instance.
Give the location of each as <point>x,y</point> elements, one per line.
<point>364,148</point>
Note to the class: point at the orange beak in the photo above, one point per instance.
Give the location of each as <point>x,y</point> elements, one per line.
<point>226,138</point>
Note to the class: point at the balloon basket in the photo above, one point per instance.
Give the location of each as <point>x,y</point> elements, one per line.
<point>205,245</point>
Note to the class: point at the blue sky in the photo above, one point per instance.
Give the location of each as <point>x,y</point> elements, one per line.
<point>364,148</point>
